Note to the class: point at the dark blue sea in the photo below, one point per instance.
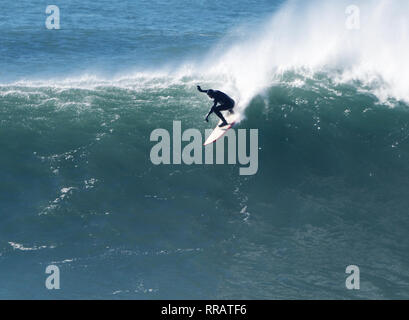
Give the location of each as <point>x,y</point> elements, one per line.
<point>78,189</point>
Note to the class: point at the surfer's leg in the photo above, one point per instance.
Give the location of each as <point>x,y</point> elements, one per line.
<point>225,107</point>
<point>231,106</point>
<point>217,110</point>
<point>228,106</point>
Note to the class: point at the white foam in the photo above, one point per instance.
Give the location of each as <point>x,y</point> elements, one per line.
<point>18,246</point>
<point>313,37</point>
<point>305,36</point>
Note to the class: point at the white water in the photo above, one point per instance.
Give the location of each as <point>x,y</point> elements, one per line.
<point>304,36</point>
<point>313,36</point>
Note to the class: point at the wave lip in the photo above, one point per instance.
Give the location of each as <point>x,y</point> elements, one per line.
<point>306,37</point>
<point>314,37</point>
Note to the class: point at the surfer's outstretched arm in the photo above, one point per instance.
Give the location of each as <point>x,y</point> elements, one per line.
<point>200,89</point>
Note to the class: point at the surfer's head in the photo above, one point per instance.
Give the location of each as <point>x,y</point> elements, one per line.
<point>210,93</point>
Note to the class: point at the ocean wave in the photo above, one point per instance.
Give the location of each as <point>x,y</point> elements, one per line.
<point>307,38</point>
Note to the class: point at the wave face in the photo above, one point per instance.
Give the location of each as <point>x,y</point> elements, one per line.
<point>78,188</point>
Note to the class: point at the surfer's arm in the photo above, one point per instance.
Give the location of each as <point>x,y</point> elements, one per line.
<point>200,89</point>
<point>211,110</point>
<point>214,106</point>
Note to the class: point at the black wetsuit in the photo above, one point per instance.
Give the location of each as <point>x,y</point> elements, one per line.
<point>224,101</point>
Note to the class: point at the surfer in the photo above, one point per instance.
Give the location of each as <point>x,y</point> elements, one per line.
<point>224,101</point>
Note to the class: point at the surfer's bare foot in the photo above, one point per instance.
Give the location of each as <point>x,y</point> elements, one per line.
<point>223,124</point>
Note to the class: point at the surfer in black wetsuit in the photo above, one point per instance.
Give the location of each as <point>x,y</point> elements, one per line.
<point>224,101</point>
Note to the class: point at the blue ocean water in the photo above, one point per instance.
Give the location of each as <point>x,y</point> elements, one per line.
<point>78,189</point>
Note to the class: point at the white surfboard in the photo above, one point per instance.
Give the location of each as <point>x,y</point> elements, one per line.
<point>218,132</point>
